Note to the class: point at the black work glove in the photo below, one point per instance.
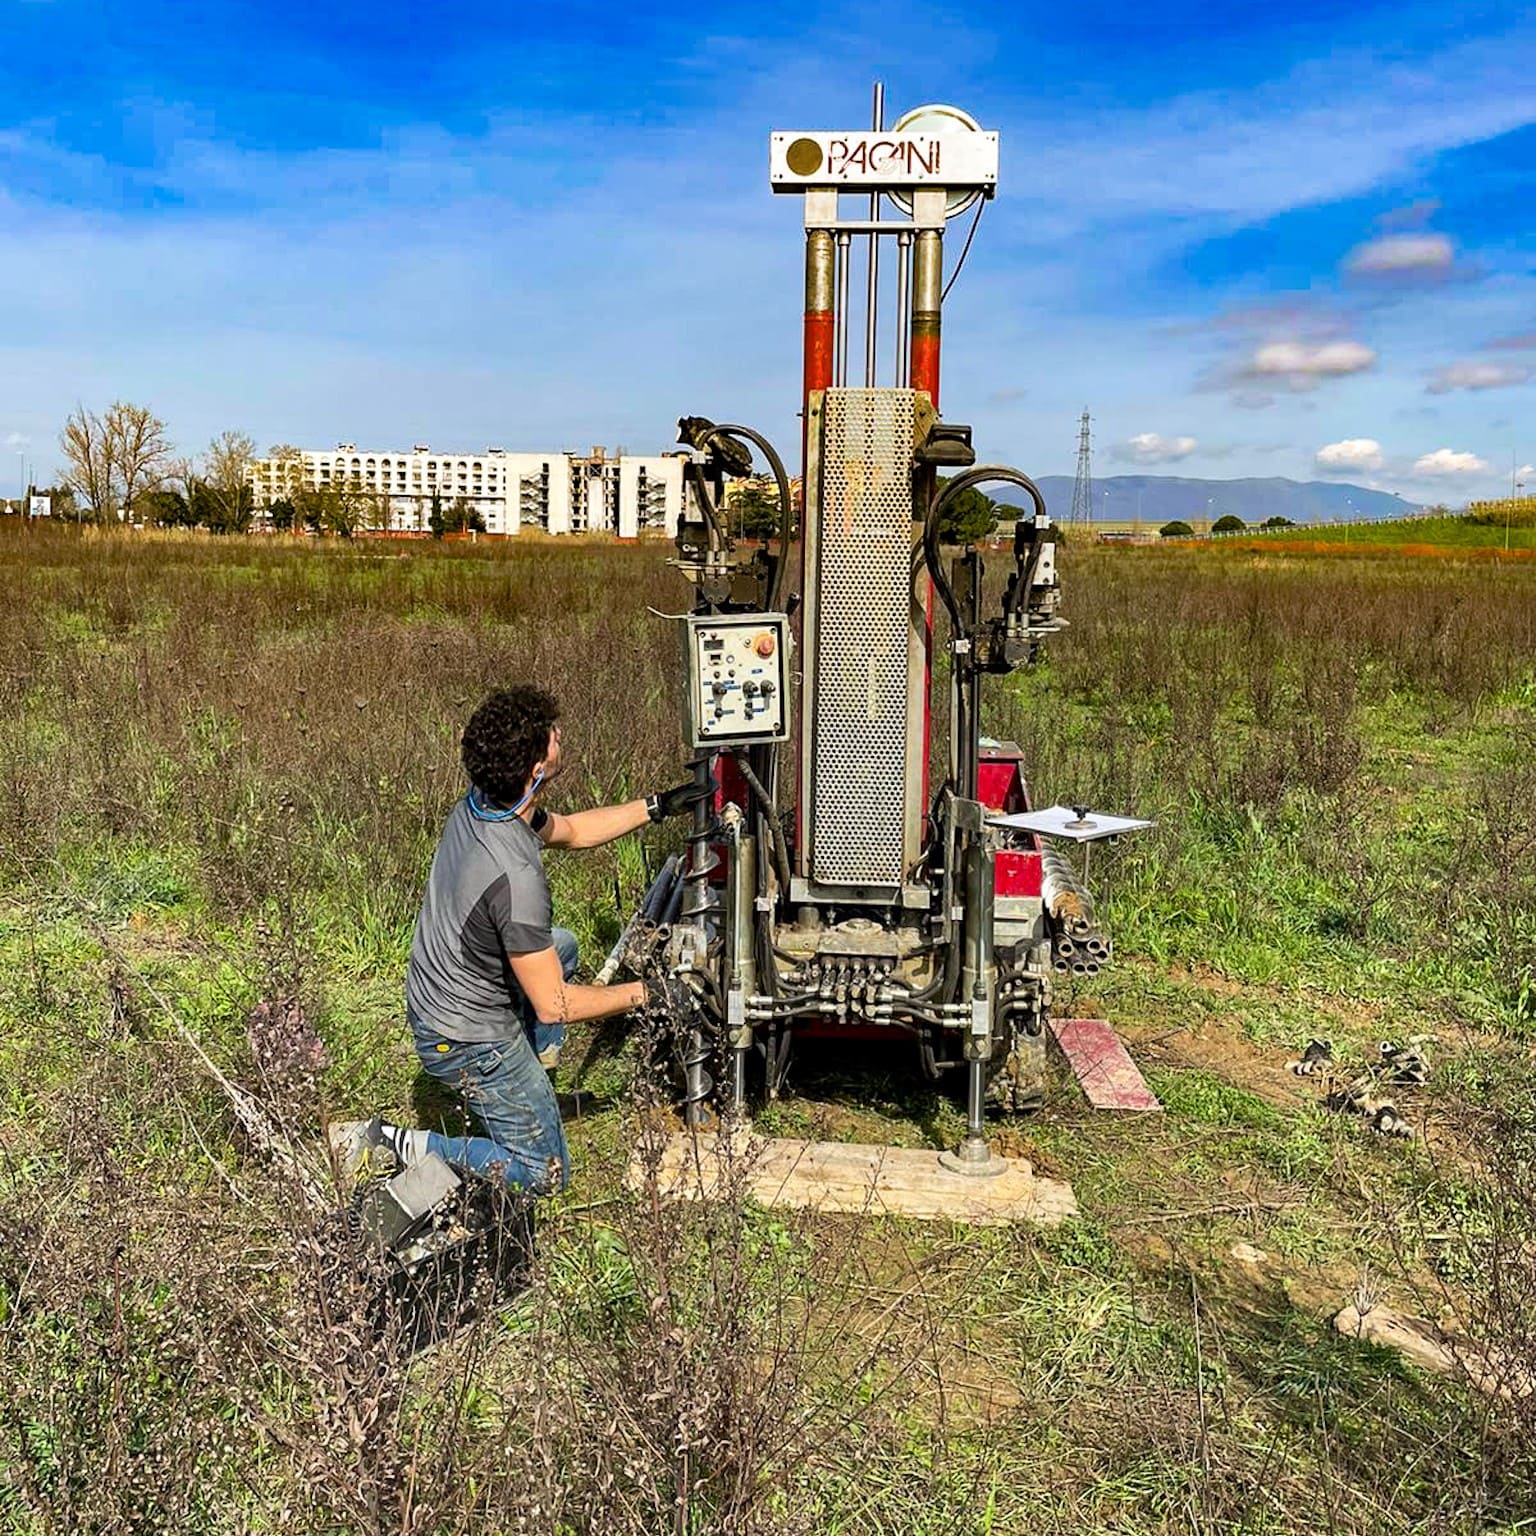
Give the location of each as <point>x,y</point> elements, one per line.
<point>674,802</point>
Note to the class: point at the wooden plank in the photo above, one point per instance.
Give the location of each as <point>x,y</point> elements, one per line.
<point>847,1176</point>
<point>1101,1063</point>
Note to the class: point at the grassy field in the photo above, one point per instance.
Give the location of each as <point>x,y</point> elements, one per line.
<point>1410,534</point>
<point>223,765</point>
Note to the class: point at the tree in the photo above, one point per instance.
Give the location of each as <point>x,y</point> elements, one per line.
<point>1228,523</point>
<point>289,464</point>
<point>337,508</point>
<point>167,508</point>
<point>970,517</point>
<point>378,510</point>
<point>113,459</point>
<point>1277,522</point>
<point>226,480</point>
<point>461,517</point>
<point>757,511</point>
<point>88,467</point>
<point>141,450</point>
<point>1175,530</point>
<point>213,509</point>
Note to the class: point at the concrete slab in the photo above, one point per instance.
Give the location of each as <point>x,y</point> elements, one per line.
<point>1101,1063</point>
<point>847,1176</point>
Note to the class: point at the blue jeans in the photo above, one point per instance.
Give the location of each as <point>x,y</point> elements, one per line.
<point>505,1085</point>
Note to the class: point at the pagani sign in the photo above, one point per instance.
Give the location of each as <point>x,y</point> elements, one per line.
<point>872,160</point>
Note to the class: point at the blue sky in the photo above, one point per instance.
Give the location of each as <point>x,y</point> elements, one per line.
<point>1251,240</point>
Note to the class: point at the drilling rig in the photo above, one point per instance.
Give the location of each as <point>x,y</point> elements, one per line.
<point>869,864</point>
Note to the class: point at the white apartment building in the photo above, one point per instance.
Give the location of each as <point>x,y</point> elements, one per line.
<point>554,492</point>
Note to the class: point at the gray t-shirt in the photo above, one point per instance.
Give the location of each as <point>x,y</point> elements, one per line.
<point>486,898</point>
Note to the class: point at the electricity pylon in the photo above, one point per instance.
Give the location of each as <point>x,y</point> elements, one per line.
<point>1082,487</point>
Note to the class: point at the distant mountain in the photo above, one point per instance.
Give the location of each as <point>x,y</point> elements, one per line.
<point>1159,499</point>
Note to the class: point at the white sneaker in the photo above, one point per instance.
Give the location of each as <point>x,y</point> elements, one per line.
<point>360,1148</point>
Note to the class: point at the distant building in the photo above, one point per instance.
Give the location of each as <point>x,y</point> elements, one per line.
<point>554,492</point>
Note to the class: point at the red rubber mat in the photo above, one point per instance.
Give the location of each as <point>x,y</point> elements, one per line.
<point>1099,1061</point>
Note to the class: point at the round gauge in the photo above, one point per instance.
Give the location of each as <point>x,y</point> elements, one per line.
<point>936,118</point>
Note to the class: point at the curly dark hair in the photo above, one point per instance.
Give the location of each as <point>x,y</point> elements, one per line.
<point>507,734</point>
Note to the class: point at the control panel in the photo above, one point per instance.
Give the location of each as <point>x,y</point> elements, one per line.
<point>738,678</point>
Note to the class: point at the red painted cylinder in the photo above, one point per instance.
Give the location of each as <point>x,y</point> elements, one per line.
<point>818,350</point>
<point>925,359</point>
<point>820,342</point>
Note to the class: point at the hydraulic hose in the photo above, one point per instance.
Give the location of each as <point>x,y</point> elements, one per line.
<point>965,700</point>
<point>706,504</point>
<point>786,506</point>
<point>771,816</point>
<point>982,474</point>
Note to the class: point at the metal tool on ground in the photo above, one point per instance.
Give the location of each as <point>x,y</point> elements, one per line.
<point>1367,1093</point>
<point>1318,1057</point>
<point>848,880</point>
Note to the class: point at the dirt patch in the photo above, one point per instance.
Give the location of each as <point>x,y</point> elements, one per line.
<point>1222,1051</point>
<point>1350,1017</point>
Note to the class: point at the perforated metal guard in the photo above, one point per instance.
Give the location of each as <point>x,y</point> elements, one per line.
<point>863,632</point>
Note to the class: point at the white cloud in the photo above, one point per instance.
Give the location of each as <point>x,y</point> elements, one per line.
<point>1300,364</point>
<point>17,440</point>
<point>1154,448</point>
<point>1403,256</point>
<point>1526,472</point>
<point>1352,453</point>
<point>1448,461</point>
<point>1330,128</point>
<point>1478,376</point>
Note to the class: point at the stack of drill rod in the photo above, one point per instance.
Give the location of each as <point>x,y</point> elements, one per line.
<point>657,910</point>
<point>1077,944</point>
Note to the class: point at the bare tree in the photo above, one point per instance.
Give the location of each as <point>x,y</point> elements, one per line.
<point>181,475</point>
<point>113,459</point>
<point>141,450</point>
<point>289,480</point>
<point>226,472</point>
<point>88,467</point>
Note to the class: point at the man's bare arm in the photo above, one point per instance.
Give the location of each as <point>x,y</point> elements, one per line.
<point>591,829</point>
<point>558,1001</point>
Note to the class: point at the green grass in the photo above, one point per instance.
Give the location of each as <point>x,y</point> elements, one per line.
<point>225,764</point>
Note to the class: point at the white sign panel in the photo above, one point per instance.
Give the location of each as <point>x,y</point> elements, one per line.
<point>42,506</point>
<point>1064,821</point>
<point>872,161</point>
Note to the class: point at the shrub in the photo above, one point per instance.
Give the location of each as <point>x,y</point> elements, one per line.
<point>1175,530</point>
<point>1228,524</point>
<point>1511,512</point>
